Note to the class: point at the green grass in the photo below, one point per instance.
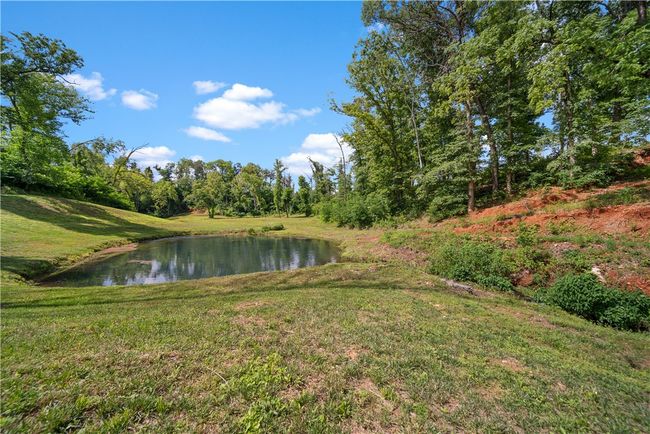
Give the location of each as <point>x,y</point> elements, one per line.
<point>354,346</point>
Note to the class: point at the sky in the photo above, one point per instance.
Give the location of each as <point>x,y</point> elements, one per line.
<point>241,81</point>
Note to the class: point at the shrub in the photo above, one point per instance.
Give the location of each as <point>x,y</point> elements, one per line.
<point>527,235</point>
<point>473,261</point>
<point>278,227</point>
<point>326,210</point>
<point>356,211</point>
<point>585,296</point>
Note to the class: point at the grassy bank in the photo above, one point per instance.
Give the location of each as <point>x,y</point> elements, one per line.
<point>372,344</point>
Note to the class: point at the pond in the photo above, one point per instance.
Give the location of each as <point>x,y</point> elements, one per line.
<point>196,257</point>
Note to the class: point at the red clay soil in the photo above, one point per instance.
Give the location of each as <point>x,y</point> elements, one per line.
<point>618,219</point>
<point>610,220</point>
<point>629,281</point>
<point>536,200</point>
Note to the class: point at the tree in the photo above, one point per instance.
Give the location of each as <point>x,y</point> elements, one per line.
<point>39,100</point>
<point>278,188</point>
<point>164,198</point>
<point>304,196</point>
<point>287,199</point>
<point>209,193</point>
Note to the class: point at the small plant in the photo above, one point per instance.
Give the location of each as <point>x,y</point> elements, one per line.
<point>561,227</point>
<point>527,235</point>
<point>259,383</point>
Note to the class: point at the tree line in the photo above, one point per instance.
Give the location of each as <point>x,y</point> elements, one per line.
<point>34,155</point>
<point>445,118</point>
<point>449,96</point>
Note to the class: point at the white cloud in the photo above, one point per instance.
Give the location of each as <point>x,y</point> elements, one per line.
<point>92,86</point>
<point>236,110</point>
<point>139,100</point>
<point>207,86</point>
<point>235,115</point>
<point>307,112</point>
<point>153,155</point>
<point>197,158</point>
<point>241,92</point>
<point>206,134</point>
<point>376,27</point>
<point>319,147</point>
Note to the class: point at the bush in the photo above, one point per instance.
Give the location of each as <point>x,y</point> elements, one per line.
<point>527,235</point>
<point>278,227</point>
<point>473,261</point>
<point>326,210</point>
<point>356,211</point>
<point>585,296</point>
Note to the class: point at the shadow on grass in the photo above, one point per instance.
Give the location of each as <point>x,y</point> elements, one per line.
<point>77,216</point>
<point>25,266</point>
<point>258,283</point>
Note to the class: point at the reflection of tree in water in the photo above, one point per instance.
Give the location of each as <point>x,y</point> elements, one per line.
<point>197,257</point>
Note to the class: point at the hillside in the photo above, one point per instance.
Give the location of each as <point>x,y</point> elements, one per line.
<point>372,344</point>
<point>605,231</point>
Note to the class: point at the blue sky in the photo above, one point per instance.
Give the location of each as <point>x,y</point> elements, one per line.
<point>269,69</point>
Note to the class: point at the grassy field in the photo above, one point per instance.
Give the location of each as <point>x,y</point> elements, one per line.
<point>368,345</point>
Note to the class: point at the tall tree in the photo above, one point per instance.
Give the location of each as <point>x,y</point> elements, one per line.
<point>36,101</point>
<point>278,188</point>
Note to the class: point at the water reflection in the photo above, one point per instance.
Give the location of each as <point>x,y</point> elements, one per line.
<point>182,258</point>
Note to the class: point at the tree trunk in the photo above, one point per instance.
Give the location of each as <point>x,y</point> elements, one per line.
<point>494,153</point>
<point>511,141</point>
<point>509,182</point>
<point>568,108</point>
<point>471,186</point>
<point>642,11</point>
<point>471,196</point>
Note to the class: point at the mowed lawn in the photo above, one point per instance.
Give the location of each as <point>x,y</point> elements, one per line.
<point>360,346</point>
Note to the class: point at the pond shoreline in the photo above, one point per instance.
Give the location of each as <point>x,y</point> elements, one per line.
<point>105,254</point>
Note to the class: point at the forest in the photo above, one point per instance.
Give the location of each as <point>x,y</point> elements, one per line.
<point>446,117</point>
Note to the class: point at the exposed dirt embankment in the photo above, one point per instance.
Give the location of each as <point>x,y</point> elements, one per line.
<point>605,231</point>
<point>554,206</point>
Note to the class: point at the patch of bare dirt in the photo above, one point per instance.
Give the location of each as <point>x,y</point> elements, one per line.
<point>367,385</point>
<point>118,249</point>
<point>250,304</point>
<point>628,280</point>
<point>243,320</point>
<point>511,364</point>
<point>610,219</point>
<point>524,278</point>
<point>620,219</point>
<point>491,391</point>
<point>532,318</point>
<point>353,353</point>
<point>387,253</point>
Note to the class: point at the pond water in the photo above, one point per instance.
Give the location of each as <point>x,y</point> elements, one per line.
<point>183,258</point>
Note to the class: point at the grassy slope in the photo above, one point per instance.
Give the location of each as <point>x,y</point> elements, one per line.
<point>356,346</point>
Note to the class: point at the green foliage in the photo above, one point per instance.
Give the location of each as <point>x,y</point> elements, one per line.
<point>355,211</point>
<point>278,227</point>
<point>585,296</point>
<point>472,261</point>
<point>165,198</point>
<point>527,235</point>
<point>258,383</point>
<point>304,196</point>
<point>624,196</point>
